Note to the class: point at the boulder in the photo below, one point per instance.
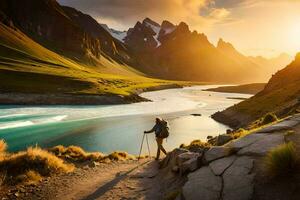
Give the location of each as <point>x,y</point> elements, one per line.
<point>188,162</point>
<point>216,152</point>
<point>219,166</point>
<point>202,184</point>
<point>263,146</point>
<point>238,182</point>
<point>223,139</point>
<point>190,165</point>
<point>243,142</point>
<point>171,159</point>
<point>186,156</point>
<point>281,126</point>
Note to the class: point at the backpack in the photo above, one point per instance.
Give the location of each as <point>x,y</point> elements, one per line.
<point>164,133</point>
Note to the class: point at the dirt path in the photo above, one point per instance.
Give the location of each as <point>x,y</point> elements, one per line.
<point>126,180</point>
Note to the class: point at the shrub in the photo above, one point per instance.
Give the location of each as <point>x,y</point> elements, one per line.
<point>120,156</point>
<point>268,118</point>
<point>30,177</point>
<point>34,162</point>
<point>196,145</point>
<point>282,160</point>
<point>75,153</point>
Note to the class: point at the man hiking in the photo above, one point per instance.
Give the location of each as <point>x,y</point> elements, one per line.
<point>161,131</point>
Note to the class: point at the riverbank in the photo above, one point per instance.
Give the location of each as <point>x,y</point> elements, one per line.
<point>81,99</point>
<point>253,88</point>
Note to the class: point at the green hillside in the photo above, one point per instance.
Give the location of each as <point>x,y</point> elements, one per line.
<point>280,96</point>
<point>27,67</point>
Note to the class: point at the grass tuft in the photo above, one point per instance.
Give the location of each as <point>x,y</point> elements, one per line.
<point>3,146</point>
<point>34,162</point>
<point>282,160</point>
<point>75,154</point>
<point>195,144</point>
<point>120,156</point>
<point>268,118</point>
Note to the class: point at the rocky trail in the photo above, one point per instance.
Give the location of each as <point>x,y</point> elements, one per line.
<point>119,180</point>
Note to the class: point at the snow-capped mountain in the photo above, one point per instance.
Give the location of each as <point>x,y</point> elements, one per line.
<point>119,35</point>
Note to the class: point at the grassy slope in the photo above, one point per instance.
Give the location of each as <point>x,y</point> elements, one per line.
<point>253,88</point>
<point>280,96</point>
<point>26,66</point>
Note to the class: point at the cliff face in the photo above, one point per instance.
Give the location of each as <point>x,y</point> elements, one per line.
<point>62,29</point>
<point>280,96</point>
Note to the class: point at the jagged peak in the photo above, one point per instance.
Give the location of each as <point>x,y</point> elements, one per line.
<point>166,25</point>
<point>147,20</point>
<point>297,57</point>
<point>225,45</point>
<point>183,27</point>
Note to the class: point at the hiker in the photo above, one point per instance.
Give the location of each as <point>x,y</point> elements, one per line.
<point>161,131</point>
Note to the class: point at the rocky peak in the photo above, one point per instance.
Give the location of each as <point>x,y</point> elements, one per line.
<point>148,21</point>
<point>167,25</point>
<point>222,45</point>
<point>183,27</point>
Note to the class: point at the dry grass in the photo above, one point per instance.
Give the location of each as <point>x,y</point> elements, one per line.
<point>196,144</point>
<point>268,118</point>
<point>3,146</point>
<point>120,156</point>
<point>32,163</point>
<point>282,160</point>
<point>75,154</point>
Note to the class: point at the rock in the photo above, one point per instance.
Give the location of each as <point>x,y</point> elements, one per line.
<point>238,180</point>
<point>245,141</point>
<point>216,152</point>
<point>223,139</point>
<point>209,137</point>
<point>263,146</point>
<point>171,159</point>
<point>94,164</point>
<point>196,114</point>
<point>186,156</point>
<point>202,184</point>
<point>219,166</point>
<point>228,131</point>
<point>188,161</point>
<point>281,126</point>
<point>175,169</point>
<point>190,165</point>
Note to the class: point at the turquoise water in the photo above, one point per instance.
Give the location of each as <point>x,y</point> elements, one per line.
<point>117,127</point>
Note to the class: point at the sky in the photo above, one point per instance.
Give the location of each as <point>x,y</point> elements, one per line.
<point>254,27</point>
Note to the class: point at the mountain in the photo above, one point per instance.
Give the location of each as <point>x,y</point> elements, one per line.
<point>272,64</point>
<point>165,50</point>
<point>58,50</point>
<point>40,39</point>
<point>281,96</point>
<point>64,30</point>
<point>174,52</point>
<point>119,35</point>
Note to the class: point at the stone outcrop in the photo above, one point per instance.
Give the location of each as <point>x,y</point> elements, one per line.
<point>231,177</point>
<point>203,184</point>
<point>216,153</point>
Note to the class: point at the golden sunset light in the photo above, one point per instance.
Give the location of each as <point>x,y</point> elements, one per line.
<point>150,99</point>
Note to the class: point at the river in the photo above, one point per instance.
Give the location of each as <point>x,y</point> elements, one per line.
<point>117,127</point>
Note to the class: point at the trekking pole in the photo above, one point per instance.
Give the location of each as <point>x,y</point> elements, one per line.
<point>141,147</point>
<point>148,146</point>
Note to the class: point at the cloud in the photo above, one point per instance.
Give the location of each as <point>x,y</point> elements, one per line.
<point>124,13</point>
